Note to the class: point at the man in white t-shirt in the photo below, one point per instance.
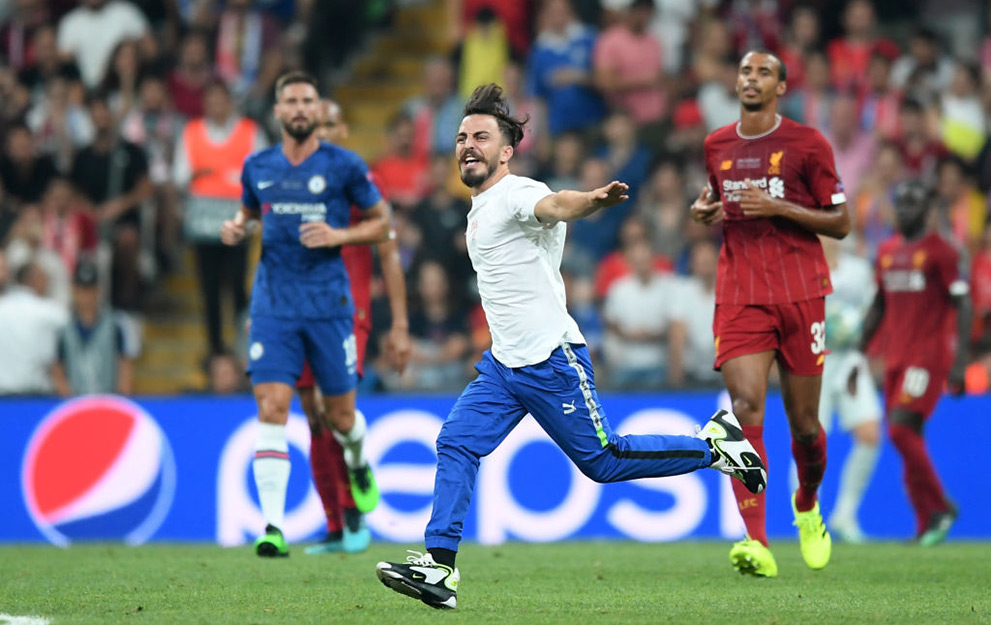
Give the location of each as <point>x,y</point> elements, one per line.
<point>538,363</point>
<point>89,33</point>
<point>691,347</point>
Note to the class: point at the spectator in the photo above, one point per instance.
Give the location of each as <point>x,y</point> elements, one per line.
<point>559,70</point>
<point>637,313</point>
<point>60,126</point>
<point>713,48</point>
<point>880,101</point>
<point>439,331</point>
<point>629,68</point>
<point>209,157</point>
<point>24,174</point>
<point>68,229</point>
<point>662,207</point>
<point>440,217</point>
<point>592,238</point>
<point>29,328</point>
<point>120,81</point>
<point>15,100</point>
<point>811,103</point>
<point>924,71</point>
<point>249,52</point>
<point>568,152</point>
<point>437,113</point>
<point>536,142</point>
<point>800,39</point>
<point>980,289</point>
<point>515,14</point>
<point>615,265</point>
<point>583,307</point>
<point>919,143</point>
<point>628,159</point>
<point>963,119</point>
<point>112,174</point>
<point>853,148</point>
<point>18,30</point>
<point>47,64</point>
<point>962,209</point>
<point>90,32</point>
<point>187,82</point>
<point>873,210</point>
<point>717,99</point>
<point>404,171</point>
<point>672,25</point>
<point>483,52</point>
<point>92,354</point>
<point>756,24</point>
<point>850,54</point>
<point>26,245</point>
<point>691,348</point>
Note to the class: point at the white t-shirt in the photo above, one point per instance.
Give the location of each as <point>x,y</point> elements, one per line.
<point>29,328</point>
<point>518,262</point>
<point>636,306</point>
<point>91,35</point>
<point>695,308</point>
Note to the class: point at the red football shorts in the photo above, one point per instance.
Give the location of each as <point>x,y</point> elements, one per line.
<point>914,388</point>
<point>361,332</point>
<point>796,331</point>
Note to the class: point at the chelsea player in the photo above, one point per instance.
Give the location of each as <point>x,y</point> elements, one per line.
<point>302,190</point>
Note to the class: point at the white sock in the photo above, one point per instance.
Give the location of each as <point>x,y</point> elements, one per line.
<point>856,475</point>
<point>271,469</point>
<point>353,442</point>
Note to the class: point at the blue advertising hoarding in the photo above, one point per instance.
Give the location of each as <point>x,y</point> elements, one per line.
<point>179,469</point>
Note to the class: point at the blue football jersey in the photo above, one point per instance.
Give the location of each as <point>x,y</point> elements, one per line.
<point>293,281</point>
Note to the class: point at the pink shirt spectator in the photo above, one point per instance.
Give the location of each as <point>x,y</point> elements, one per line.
<point>633,58</point>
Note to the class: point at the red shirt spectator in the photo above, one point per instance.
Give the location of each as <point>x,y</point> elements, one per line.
<point>849,55</point>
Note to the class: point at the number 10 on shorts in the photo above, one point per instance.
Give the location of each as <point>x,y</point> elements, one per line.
<point>350,352</point>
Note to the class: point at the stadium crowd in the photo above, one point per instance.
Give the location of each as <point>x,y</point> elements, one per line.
<point>94,174</point>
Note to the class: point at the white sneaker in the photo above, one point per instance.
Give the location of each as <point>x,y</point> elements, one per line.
<point>421,578</point>
<point>732,453</point>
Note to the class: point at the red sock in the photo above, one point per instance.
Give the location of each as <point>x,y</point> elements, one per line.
<point>752,506</point>
<point>344,498</point>
<point>924,489</point>
<point>326,477</point>
<point>810,460</point>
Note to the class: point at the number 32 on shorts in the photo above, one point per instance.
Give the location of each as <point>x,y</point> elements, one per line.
<point>818,331</point>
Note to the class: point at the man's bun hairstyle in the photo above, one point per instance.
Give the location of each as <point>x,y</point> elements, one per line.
<point>488,100</point>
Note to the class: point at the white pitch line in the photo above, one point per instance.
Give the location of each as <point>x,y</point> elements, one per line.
<point>10,619</point>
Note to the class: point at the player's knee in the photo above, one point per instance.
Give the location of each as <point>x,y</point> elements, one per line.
<point>868,434</point>
<point>747,409</point>
<point>273,409</point>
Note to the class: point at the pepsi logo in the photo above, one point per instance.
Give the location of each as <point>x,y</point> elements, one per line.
<point>98,468</point>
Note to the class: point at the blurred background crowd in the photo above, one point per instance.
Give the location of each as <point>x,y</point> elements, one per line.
<point>110,284</point>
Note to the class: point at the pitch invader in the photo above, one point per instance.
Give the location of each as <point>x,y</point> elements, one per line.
<point>538,363</point>
<point>301,307</point>
<point>920,285</point>
<point>773,185</point>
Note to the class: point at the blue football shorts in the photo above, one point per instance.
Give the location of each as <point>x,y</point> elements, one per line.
<point>278,347</point>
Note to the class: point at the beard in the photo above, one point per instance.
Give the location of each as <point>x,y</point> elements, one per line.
<point>752,107</point>
<point>475,179</point>
<point>299,133</point>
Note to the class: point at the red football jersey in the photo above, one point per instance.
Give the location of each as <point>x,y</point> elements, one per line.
<point>771,261</point>
<point>915,278</point>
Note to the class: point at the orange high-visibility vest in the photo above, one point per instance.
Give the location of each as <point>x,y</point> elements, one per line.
<point>221,161</point>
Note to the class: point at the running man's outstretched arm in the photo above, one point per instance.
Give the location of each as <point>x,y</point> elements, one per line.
<point>570,205</point>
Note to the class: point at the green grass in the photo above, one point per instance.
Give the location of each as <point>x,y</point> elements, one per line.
<point>577,583</point>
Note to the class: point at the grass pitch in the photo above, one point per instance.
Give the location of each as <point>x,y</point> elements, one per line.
<point>577,583</point>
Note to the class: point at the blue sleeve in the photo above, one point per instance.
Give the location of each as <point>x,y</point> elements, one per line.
<point>360,189</point>
<point>534,75</point>
<point>248,197</point>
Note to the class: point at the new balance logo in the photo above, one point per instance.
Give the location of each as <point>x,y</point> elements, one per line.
<point>569,408</point>
<point>264,184</point>
<point>430,575</point>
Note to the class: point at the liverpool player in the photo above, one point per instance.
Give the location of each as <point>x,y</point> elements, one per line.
<point>346,529</point>
<point>773,186</point>
<point>920,283</point>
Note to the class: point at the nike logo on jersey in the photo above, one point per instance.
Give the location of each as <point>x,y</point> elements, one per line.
<point>430,575</point>
<point>569,408</point>
<point>264,184</point>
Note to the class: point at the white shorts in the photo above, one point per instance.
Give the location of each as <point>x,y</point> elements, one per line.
<point>862,406</point>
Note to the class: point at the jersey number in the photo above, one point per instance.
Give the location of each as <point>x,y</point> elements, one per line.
<point>818,337</point>
<point>915,382</point>
<point>350,351</point>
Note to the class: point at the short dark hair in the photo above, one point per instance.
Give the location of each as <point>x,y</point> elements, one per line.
<point>488,100</point>
<point>293,77</point>
<point>782,68</point>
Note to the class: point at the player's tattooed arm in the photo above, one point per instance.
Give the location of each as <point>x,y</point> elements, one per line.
<point>707,208</point>
<point>374,228</point>
<point>833,221</point>
<point>570,205</point>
